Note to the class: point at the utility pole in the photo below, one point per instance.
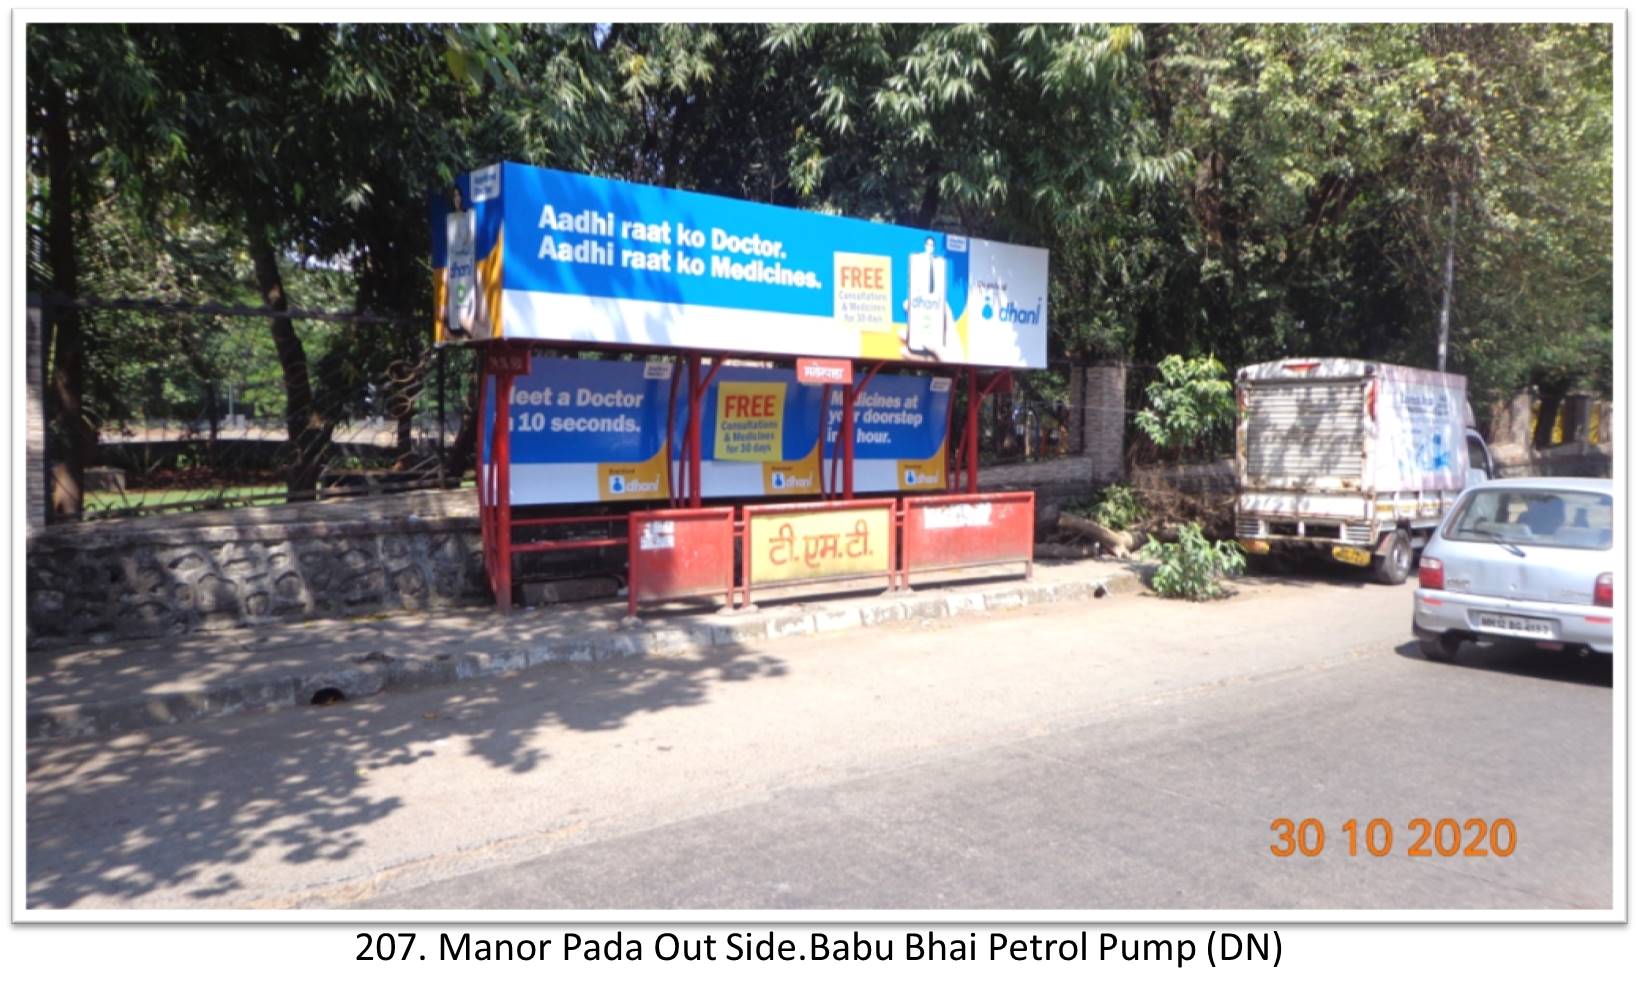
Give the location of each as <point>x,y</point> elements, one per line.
<point>1450,274</point>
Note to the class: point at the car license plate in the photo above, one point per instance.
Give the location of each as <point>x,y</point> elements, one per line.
<point>1352,555</point>
<point>1499,622</point>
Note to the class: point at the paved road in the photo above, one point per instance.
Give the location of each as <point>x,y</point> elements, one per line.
<point>1124,754</point>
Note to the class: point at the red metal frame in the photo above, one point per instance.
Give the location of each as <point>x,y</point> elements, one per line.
<point>503,361</point>
<point>1006,536</point>
<point>826,488</point>
<point>698,559</point>
<point>850,396</point>
<point>976,394</point>
<point>670,434</point>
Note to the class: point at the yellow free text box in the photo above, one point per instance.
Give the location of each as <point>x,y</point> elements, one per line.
<point>750,421</point>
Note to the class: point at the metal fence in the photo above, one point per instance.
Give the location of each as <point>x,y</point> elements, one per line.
<point>1034,421</point>
<point>186,407</point>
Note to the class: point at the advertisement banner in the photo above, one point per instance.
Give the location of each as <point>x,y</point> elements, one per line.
<point>595,430</point>
<point>570,258</point>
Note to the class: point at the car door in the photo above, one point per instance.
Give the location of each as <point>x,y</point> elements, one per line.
<point>1479,466</point>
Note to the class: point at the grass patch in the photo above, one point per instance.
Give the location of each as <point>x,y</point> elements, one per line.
<point>137,501</point>
<point>170,501</point>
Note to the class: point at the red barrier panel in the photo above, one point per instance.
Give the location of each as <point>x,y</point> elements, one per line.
<point>945,531</point>
<point>819,541</point>
<point>675,553</point>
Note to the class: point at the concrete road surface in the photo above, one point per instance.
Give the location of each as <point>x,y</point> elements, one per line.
<point>1128,753</point>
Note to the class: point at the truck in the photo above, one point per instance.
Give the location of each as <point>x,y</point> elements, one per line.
<point>1353,459</point>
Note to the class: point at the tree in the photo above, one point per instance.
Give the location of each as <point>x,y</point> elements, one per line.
<point>87,95</point>
<point>1244,191</point>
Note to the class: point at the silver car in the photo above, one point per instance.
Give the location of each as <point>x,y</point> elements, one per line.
<point>1524,559</point>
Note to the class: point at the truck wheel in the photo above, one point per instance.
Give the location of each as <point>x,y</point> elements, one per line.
<point>1441,649</point>
<point>1394,566</point>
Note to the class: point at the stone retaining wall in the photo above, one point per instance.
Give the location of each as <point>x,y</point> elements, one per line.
<point>126,579</point>
<point>130,579</point>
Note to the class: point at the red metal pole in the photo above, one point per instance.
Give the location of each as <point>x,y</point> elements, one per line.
<point>824,430</point>
<point>1029,565</point>
<point>696,387</point>
<point>745,555</point>
<point>847,442</point>
<point>485,506</point>
<point>631,564</point>
<point>711,378</point>
<point>670,431</point>
<point>952,451</point>
<point>503,491</point>
<point>849,396</point>
<point>971,445</point>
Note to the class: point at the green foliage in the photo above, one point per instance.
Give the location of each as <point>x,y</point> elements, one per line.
<point>1247,191</point>
<point>1118,507</point>
<point>1192,399</point>
<point>1192,567</point>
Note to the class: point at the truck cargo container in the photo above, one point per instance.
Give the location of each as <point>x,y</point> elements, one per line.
<point>1352,458</point>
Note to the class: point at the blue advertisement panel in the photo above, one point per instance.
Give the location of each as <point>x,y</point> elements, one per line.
<point>589,431</point>
<point>529,253</point>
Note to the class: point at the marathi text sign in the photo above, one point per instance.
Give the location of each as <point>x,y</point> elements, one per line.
<point>571,258</point>
<point>803,545</point>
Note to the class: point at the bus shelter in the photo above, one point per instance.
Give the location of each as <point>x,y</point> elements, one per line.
<point>781,409</point>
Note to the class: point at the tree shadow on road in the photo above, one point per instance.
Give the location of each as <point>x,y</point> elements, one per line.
<point>113,820</point>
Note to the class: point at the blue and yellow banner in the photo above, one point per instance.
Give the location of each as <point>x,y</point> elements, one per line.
<point>595,430</point>
<point>526,253</point>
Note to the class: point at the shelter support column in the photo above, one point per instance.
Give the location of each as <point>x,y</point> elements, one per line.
<point>503,491</point>
<point>969,446</point>
<point>695,389</point>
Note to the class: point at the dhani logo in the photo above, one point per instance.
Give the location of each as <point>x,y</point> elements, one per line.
<point>784,482</point>
<point>1021,316</point>
<point>620,485</point>
<point>913,477</point>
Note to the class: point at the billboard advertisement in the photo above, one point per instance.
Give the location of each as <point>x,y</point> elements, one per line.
<point>528,253</point>
<point>595,431</point>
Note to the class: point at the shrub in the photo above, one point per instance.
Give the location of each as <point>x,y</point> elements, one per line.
<point>1192,400</point>
<point>1191,567</point>
<point>1118,507</point>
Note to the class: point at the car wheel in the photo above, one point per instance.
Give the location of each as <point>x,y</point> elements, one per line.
<point>1394,566</point>
<point>1441,649</point>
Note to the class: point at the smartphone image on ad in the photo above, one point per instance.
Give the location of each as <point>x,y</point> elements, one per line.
<point>928,333</point>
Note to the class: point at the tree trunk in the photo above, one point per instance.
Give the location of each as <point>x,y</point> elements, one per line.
<point>929,204</point>
<point>308,431</point>
<point>1551,401</point>
<point>215,424</point>
<point>68,348</point>
<point>404,445</point>
<point>463,449</point>
<point>1450,279</point>
<point>1118,542</point>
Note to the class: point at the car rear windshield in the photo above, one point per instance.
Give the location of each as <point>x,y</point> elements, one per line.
<point>1535,517</point>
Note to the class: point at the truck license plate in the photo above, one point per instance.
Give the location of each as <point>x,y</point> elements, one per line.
<point>1497,622</point>
<point>1352,555</point>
